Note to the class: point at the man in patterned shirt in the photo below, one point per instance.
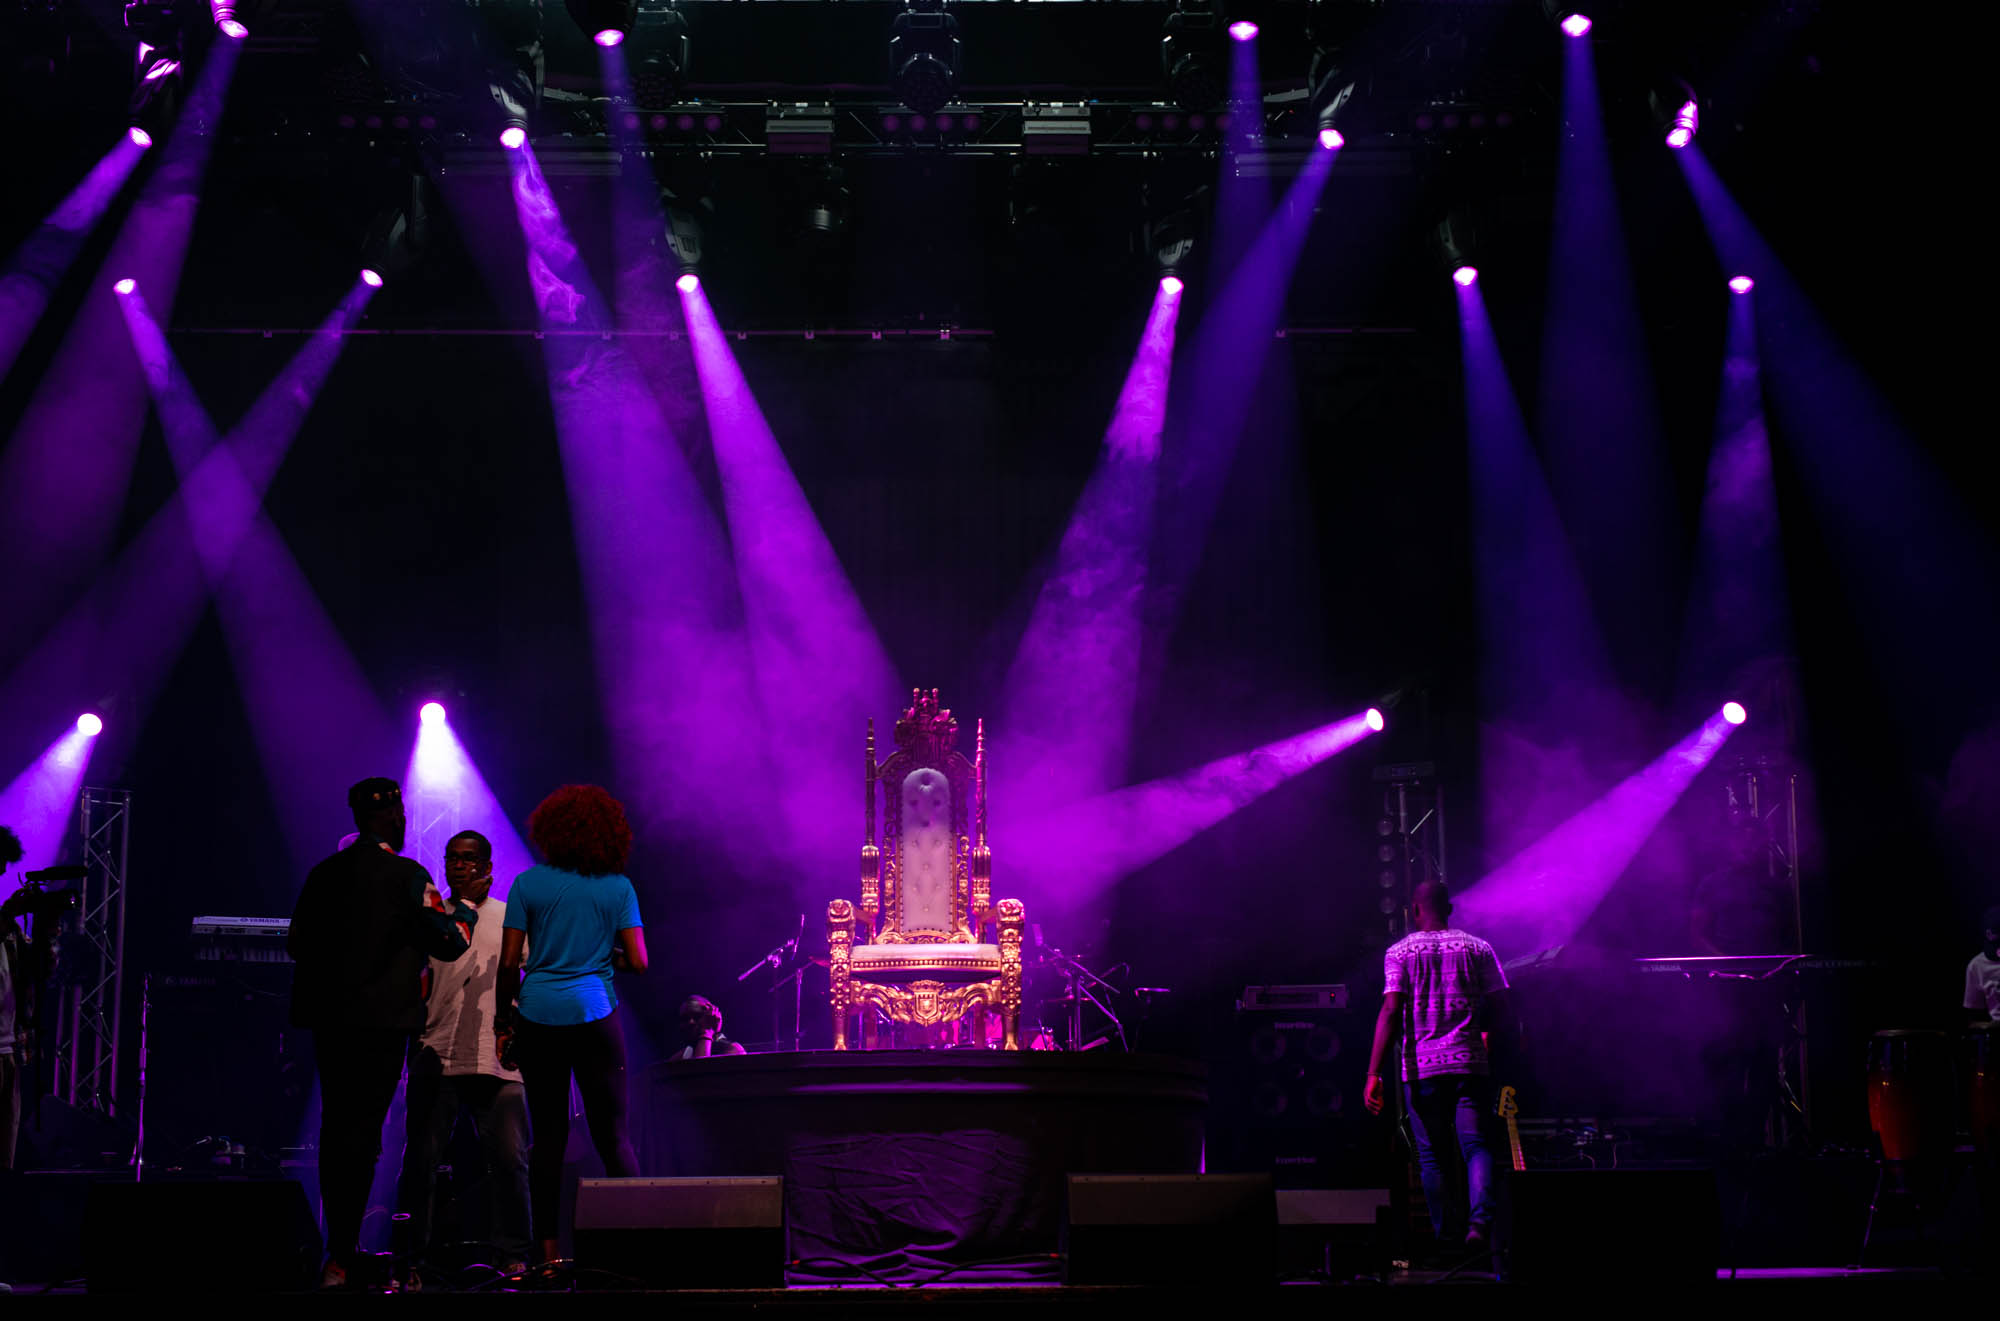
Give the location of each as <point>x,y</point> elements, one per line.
<point>1441,986</point>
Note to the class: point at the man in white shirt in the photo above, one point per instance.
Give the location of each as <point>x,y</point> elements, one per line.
<point>1449,985</point>
<point>455,1070</point>
<point>1982,975</point>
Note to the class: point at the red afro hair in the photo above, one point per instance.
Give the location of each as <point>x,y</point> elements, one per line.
<point>582,828</point>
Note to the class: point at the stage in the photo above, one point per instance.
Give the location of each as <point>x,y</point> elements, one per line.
<point>912,1161</point>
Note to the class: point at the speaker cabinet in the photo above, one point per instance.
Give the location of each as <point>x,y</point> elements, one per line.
<point>208,1237</point>
<point>1661,1226</point>
<point>1171,1229</point>
<point>712,1233</point>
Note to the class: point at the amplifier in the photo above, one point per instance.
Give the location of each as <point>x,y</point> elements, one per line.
<point>1170,1229</point>
<point>1284,999</point>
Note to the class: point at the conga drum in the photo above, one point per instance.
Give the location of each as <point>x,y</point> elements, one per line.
<point>1981,1070</point>
<point>1910,1094</point>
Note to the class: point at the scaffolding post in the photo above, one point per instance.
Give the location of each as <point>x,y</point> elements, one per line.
<point>1409,838</point>
<point>90,1014</point>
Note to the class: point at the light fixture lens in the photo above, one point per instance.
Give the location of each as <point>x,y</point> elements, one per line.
<point>1244,30</point>
<point>140,137</point>
<point>1734,713</point>
<point>1171,284</point>
<point>89,725</point>
<point>373,279</point>
<point>1576,25</point>
<point>513,136</point>
<point>1742,284</point>
<point>1331,139</point>
<point>125,286</point>
<point>609,37</point>
<point>688,283</point>
<point>1464,276</point>
<point>232,29</point>
<point>1375,720</point>
<point>432,713</point>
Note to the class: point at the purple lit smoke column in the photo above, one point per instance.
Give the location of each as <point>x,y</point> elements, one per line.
<point>39,802</point>
<point>1107,837</point>
<point>1071,690</point>
<point>1545,893</point>
<point>799,607</point>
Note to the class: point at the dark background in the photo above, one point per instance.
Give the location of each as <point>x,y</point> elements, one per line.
<point>423,498</point>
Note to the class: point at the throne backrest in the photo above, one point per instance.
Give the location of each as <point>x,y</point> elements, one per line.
<point>929,793</point>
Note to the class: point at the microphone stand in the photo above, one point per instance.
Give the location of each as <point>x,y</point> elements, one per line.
<point>1081,980</point>
<point>777,960</point>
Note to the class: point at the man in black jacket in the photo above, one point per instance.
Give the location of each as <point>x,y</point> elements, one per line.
<point>366,926</point>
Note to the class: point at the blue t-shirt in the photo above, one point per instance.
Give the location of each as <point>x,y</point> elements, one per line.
<point>572,923</point>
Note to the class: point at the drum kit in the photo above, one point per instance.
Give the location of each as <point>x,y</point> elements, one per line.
<point>1916,1090</point>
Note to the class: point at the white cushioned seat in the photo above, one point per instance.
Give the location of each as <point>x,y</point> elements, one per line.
<point>935,962</point>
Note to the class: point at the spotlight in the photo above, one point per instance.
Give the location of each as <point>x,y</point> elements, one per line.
<point>1734,713</point>
<point>1686,121</point>
<point>1331,139</point>
<point>1375,720</point>
<point>607,21</point>
<point>688,283</point>
<point>373,279</point>
<point>89,725</point>
<point>1172,241</point>
<point>224,13</point>
<point>683,235</point>
<point>432,713</point>
<point>512,136</point>
<point>1455,240</point>
<point>1244,30</point>
<point>1465,276</point>
<point>125,286</point>
<point>233,30</point>
<point>1742,284</point>
<point>140,137</point>
<point>1171,285</point>
<point>1575,25</point>
<point>1191,54</point>
<point>924,56</point>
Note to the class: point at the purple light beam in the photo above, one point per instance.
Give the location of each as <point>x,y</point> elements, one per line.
<point>1544,680</point>
<point>40,263</point>
<point>799,607</point>
<point>123,635</point>
<point>1103,839</point>
<point>1544,894</point>
<point>42,799</point>
<point>65,473</point>
<point>441,772</point>
<point>667,624</point>
<point>1597,414</point>
<point>1071,691</point>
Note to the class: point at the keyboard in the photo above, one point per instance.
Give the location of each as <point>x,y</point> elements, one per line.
<point>241,939</point>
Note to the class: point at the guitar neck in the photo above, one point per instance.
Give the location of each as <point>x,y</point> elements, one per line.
<point>1514,1144</point>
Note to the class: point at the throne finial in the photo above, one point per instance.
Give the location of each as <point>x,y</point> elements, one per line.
<point>926,729</point>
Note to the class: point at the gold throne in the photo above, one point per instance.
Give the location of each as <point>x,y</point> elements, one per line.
<point>916,947</point>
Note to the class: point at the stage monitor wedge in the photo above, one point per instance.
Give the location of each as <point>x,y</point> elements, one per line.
<point>707,1233</point>
<point>1170,1229</point>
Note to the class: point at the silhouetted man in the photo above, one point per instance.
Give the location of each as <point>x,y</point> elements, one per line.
<point>366,926</point>
<point>24,965</point>
<point>1440,985</point>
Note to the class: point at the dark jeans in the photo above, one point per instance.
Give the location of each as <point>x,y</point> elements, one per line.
<point>358,1072</point>
<point>594,1054</point>
<point>499,1113</point>
<point>1449,1120</point>
<point>10,1107</point>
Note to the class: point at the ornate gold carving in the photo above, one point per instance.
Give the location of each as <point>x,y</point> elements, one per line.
<point>840,954</point>
<point>927,1003</point>
<point>982,857</point>
<point>1012,917</point>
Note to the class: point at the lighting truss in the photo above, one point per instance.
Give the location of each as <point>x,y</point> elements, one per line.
<point>88,1017</point>
<point>1409,839</point>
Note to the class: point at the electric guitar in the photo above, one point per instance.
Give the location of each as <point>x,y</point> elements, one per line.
<point>1510,1111</point>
